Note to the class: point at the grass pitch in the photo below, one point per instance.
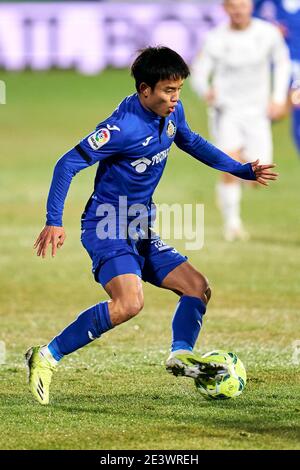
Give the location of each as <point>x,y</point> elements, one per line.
<point>115,393</point>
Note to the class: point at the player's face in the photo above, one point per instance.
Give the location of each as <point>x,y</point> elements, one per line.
<point>239,12</point>
<point>163,99</point>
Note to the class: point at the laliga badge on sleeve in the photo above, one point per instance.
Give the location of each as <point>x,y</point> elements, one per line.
<point>99,138</point>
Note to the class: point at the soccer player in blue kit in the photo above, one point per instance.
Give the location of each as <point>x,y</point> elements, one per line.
<point>131,147</point>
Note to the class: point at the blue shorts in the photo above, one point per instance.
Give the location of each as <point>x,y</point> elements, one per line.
<point>149,258</point>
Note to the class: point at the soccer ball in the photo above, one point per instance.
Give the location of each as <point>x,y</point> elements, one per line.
<point>225,386</point>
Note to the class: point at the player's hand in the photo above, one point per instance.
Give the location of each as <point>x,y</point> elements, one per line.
<point>276,111</point>
<point>263,173</point>
<point>50,235</point>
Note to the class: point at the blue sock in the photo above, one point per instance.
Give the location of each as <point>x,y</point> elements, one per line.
<point>88,326</point>
<point>187,322</point>
<point>296,127</point>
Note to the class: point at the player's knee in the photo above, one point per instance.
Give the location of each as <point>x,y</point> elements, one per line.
<point>208,294</point>
<point>130,307</point>
<point>135,307</point>
<point>204,289</point>
<point>199,287</point>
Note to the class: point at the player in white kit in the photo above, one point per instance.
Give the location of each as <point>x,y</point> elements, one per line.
<point>243,73</point>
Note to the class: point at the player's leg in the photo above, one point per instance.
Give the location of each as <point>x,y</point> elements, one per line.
<point>225,127</point>
<point>127,298</point>
<point>126,301</point>
<point>194,291</point>
<point>229,195</point>
<point>121,278</point>
<point>165,267</point>
<point>187,280</point>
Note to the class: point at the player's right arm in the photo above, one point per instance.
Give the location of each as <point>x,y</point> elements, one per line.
<point>207,153</point>
<point>100,144</point>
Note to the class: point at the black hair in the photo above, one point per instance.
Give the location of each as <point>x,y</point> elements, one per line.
<point>158,63</point>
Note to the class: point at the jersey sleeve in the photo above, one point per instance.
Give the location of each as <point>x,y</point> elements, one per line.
<point>106,140</point>
<point>199,148</point>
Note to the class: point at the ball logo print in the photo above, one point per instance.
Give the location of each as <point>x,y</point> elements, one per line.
<point>99,138</point>
<point>223,386</point>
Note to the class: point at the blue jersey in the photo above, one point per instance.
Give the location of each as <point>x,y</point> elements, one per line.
<point>131,148</point>
<point>287,14</point>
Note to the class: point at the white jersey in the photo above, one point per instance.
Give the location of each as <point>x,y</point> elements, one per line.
<point>240,65</point>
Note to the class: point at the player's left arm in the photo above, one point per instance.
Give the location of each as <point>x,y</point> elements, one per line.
<point>281,75</point>
<point>106,140</point>
<point>199,148</point>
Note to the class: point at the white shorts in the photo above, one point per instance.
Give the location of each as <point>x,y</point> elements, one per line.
<point>252,135</point>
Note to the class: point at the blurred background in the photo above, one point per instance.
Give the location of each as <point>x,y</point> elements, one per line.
<point>91,36</point>
<point>64,68</point>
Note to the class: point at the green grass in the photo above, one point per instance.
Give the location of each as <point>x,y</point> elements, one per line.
<point>115,394</point>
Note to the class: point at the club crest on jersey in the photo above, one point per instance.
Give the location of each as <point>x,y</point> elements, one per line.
<point>171,129</point>
<point>99,138</point>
